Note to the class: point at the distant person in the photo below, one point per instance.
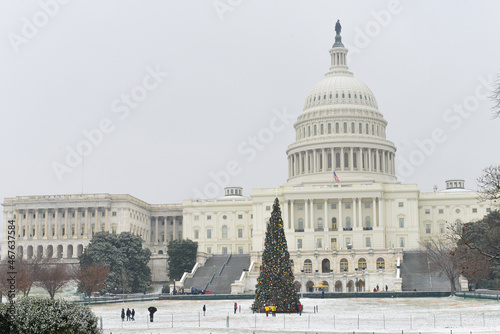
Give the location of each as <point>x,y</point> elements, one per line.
<point>267,310</point>
<point>386,288</point>
<point>123,314</point>
<point>377,287</point>
<point>204,309</point>
<point>132,314</point>
<point>273,308</point>
<point>322,293</point>
<point>152,311</point>
<point>300,309</point>
<point>235,307</point>
<point>128,314</point>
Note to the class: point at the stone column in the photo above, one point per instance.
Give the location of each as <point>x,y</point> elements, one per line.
<point>370,160</point>
<point>354,215</point>
<point>292,214</point>
<point>66,224</point>
<point>36,226</point>
<point>165,229</point>
<point>311,213</point>
<point>340,220</point>
<point>86,231</point>
<point>174,230</point>
<point>46,224</point>
<point>157,236</point>
<point>326,224</point>
<point>332,158</point>
<point>351,166</point>
<point>106,219</point>
<point>75,235</point>
<point>342,159</point>
<point>360,210</point>
<point>56,225</point>
<point>315,165</point>
<point>380,206</point>
<point>374,201</point>
<point>285,214</point>
<point>96,220</point>
<point>306,216</point>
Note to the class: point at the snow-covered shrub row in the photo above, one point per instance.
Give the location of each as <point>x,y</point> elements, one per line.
<point>48,316</point>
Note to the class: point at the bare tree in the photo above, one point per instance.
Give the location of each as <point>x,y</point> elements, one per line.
<point>91,278</point>
<point>440,254</point>
<point>52,277</point>
<point>26,272</point>
<point>489,184</point>
<point>473,265</point>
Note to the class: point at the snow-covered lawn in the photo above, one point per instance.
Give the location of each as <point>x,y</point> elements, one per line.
<point>384,315</point>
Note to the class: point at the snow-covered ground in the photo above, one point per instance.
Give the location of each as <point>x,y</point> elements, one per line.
<point>384,315</point>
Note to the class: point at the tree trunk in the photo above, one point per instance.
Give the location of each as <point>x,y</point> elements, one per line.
<point>452,286</point>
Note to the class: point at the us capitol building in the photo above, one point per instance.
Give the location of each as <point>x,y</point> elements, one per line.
<point>343,236</point>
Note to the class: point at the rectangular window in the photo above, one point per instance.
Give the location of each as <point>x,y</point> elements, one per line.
<point>240,250</point>
<point>268,208</point>
<point>73,215</point>
<point>348,206</point>
<point>224,250</point>
<point>401,222</point>
<point>114,213</point>
<point>427,211</point>
<point>367,205</point>
<point>196,217</point>
<point>299,243</point>
<point>209,234</point>
<point>209,217</point>
<point>488,210</point>
<point>251,216</point>
<point>428,228</point>
<point>401,242</point>
<point>368,242</point>
<point>441,228</point>
<point>83,214</point>
<point>53,215</point>
<point>348,243</point>
<point>334,206</point>
<point>103,213</point>
<point>333,243</point>
<point>320,206</point>
<point>319,243</point>
<point>301,207</point>
<point>240,233</point>
<point>240,216</point>
<point>400,204</point>
<point>441,211</point>
<point>209,250</point>
<point>474,210</point>
<point>196,234</point>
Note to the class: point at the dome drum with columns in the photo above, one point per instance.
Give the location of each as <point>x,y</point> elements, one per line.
<point>341,130</point>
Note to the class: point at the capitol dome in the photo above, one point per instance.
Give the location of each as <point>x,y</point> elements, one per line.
<point>341,130</point>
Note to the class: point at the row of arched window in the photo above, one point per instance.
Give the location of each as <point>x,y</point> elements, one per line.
<point>327,128</point>
<point>343,265</point>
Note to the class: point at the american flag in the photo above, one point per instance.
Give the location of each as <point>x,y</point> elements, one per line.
<point>336,177</point>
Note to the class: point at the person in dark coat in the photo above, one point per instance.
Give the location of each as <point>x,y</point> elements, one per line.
<point>128,314</point>
<point>235,307</point>
<point>204,309</point>
<point>132,314</point>
<point>123,314</point>
<point>152,311</point>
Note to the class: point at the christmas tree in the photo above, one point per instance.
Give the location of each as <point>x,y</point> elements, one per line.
<point>275,285</point>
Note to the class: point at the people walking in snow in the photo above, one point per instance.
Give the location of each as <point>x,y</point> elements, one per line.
<point>273,308</point>
<point>204,309</point>
<point>132,314</point>
<point>235,307</point>
<point>152,311</point>
<point>123,314</point>
<point>300,309</point>
<point>267,310</point>
<point>128,314</point>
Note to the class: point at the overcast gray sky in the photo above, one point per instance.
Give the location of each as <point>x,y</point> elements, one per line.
<point>178,89</point>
